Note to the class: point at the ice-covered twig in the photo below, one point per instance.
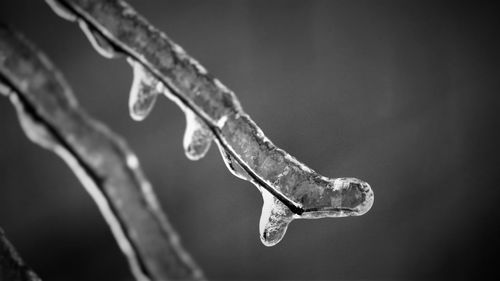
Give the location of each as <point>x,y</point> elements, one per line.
<point>51,117</point>
<point>290,189</point>
<point>12,267</point>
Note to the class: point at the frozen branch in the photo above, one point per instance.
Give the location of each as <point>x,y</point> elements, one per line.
<point>290,189</point>
<point>109,170</point>
<point>12,267</point>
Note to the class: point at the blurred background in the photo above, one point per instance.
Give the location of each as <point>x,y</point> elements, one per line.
<point>402,94</point>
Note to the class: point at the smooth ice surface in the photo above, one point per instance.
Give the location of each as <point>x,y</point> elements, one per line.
<point>100,44</point>
<point>144,91</point>
<point>197,137</point>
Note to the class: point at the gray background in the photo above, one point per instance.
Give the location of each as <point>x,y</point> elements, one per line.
<point>401,94</point>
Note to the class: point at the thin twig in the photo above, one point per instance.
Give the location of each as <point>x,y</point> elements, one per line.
<point>51,117</point>
<point>290,189</point>
<point>12,267</point>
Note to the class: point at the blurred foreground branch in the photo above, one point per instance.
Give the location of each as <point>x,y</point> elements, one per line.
<point>12,267</point>
<point>109,170</point>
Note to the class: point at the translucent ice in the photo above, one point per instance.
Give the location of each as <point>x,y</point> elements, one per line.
<point>61,10</point>
<point>197,137</point>
<point>144,91</point>
<point>102,45</point>
<point>274,219</point>
<point>275,216</point>
<point>234,166</point>
<point>290,189</point>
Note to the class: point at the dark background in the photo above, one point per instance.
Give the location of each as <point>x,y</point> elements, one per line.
<point>402,94</point>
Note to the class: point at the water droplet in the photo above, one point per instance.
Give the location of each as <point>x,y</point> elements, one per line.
<point>144,91</point>
<point>197,137</point>
<point>61,10</point>
<point>102,45</point>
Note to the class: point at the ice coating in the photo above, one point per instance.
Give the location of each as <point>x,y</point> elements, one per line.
<point>290,177</point>
<point>192,82</point>
<point>197,137</point>
<point>61,10</point>
<point>144,91</point>
<point>100,44</point>
<point>269,167</point>
<point>307,195</point>
<point>290,189</point>
<point>234,166</point>
<point>275,216</point>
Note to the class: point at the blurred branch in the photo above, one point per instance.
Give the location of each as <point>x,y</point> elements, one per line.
<point>12,267</point>
<point>109,170</point>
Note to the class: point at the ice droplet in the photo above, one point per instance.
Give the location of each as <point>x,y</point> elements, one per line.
<point>197,137</point>
<point>144,91</point>
<point>97,40</point>
<point>61,10</point>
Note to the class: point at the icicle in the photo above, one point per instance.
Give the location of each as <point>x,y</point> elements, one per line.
<point>144,91</point>
<point>275,216</point>
<point>102,45</point>
<point>197,137</point>
<point>274,219</point>
<point>61,10</point>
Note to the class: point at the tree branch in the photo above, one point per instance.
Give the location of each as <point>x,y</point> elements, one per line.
<point>290,189</point>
